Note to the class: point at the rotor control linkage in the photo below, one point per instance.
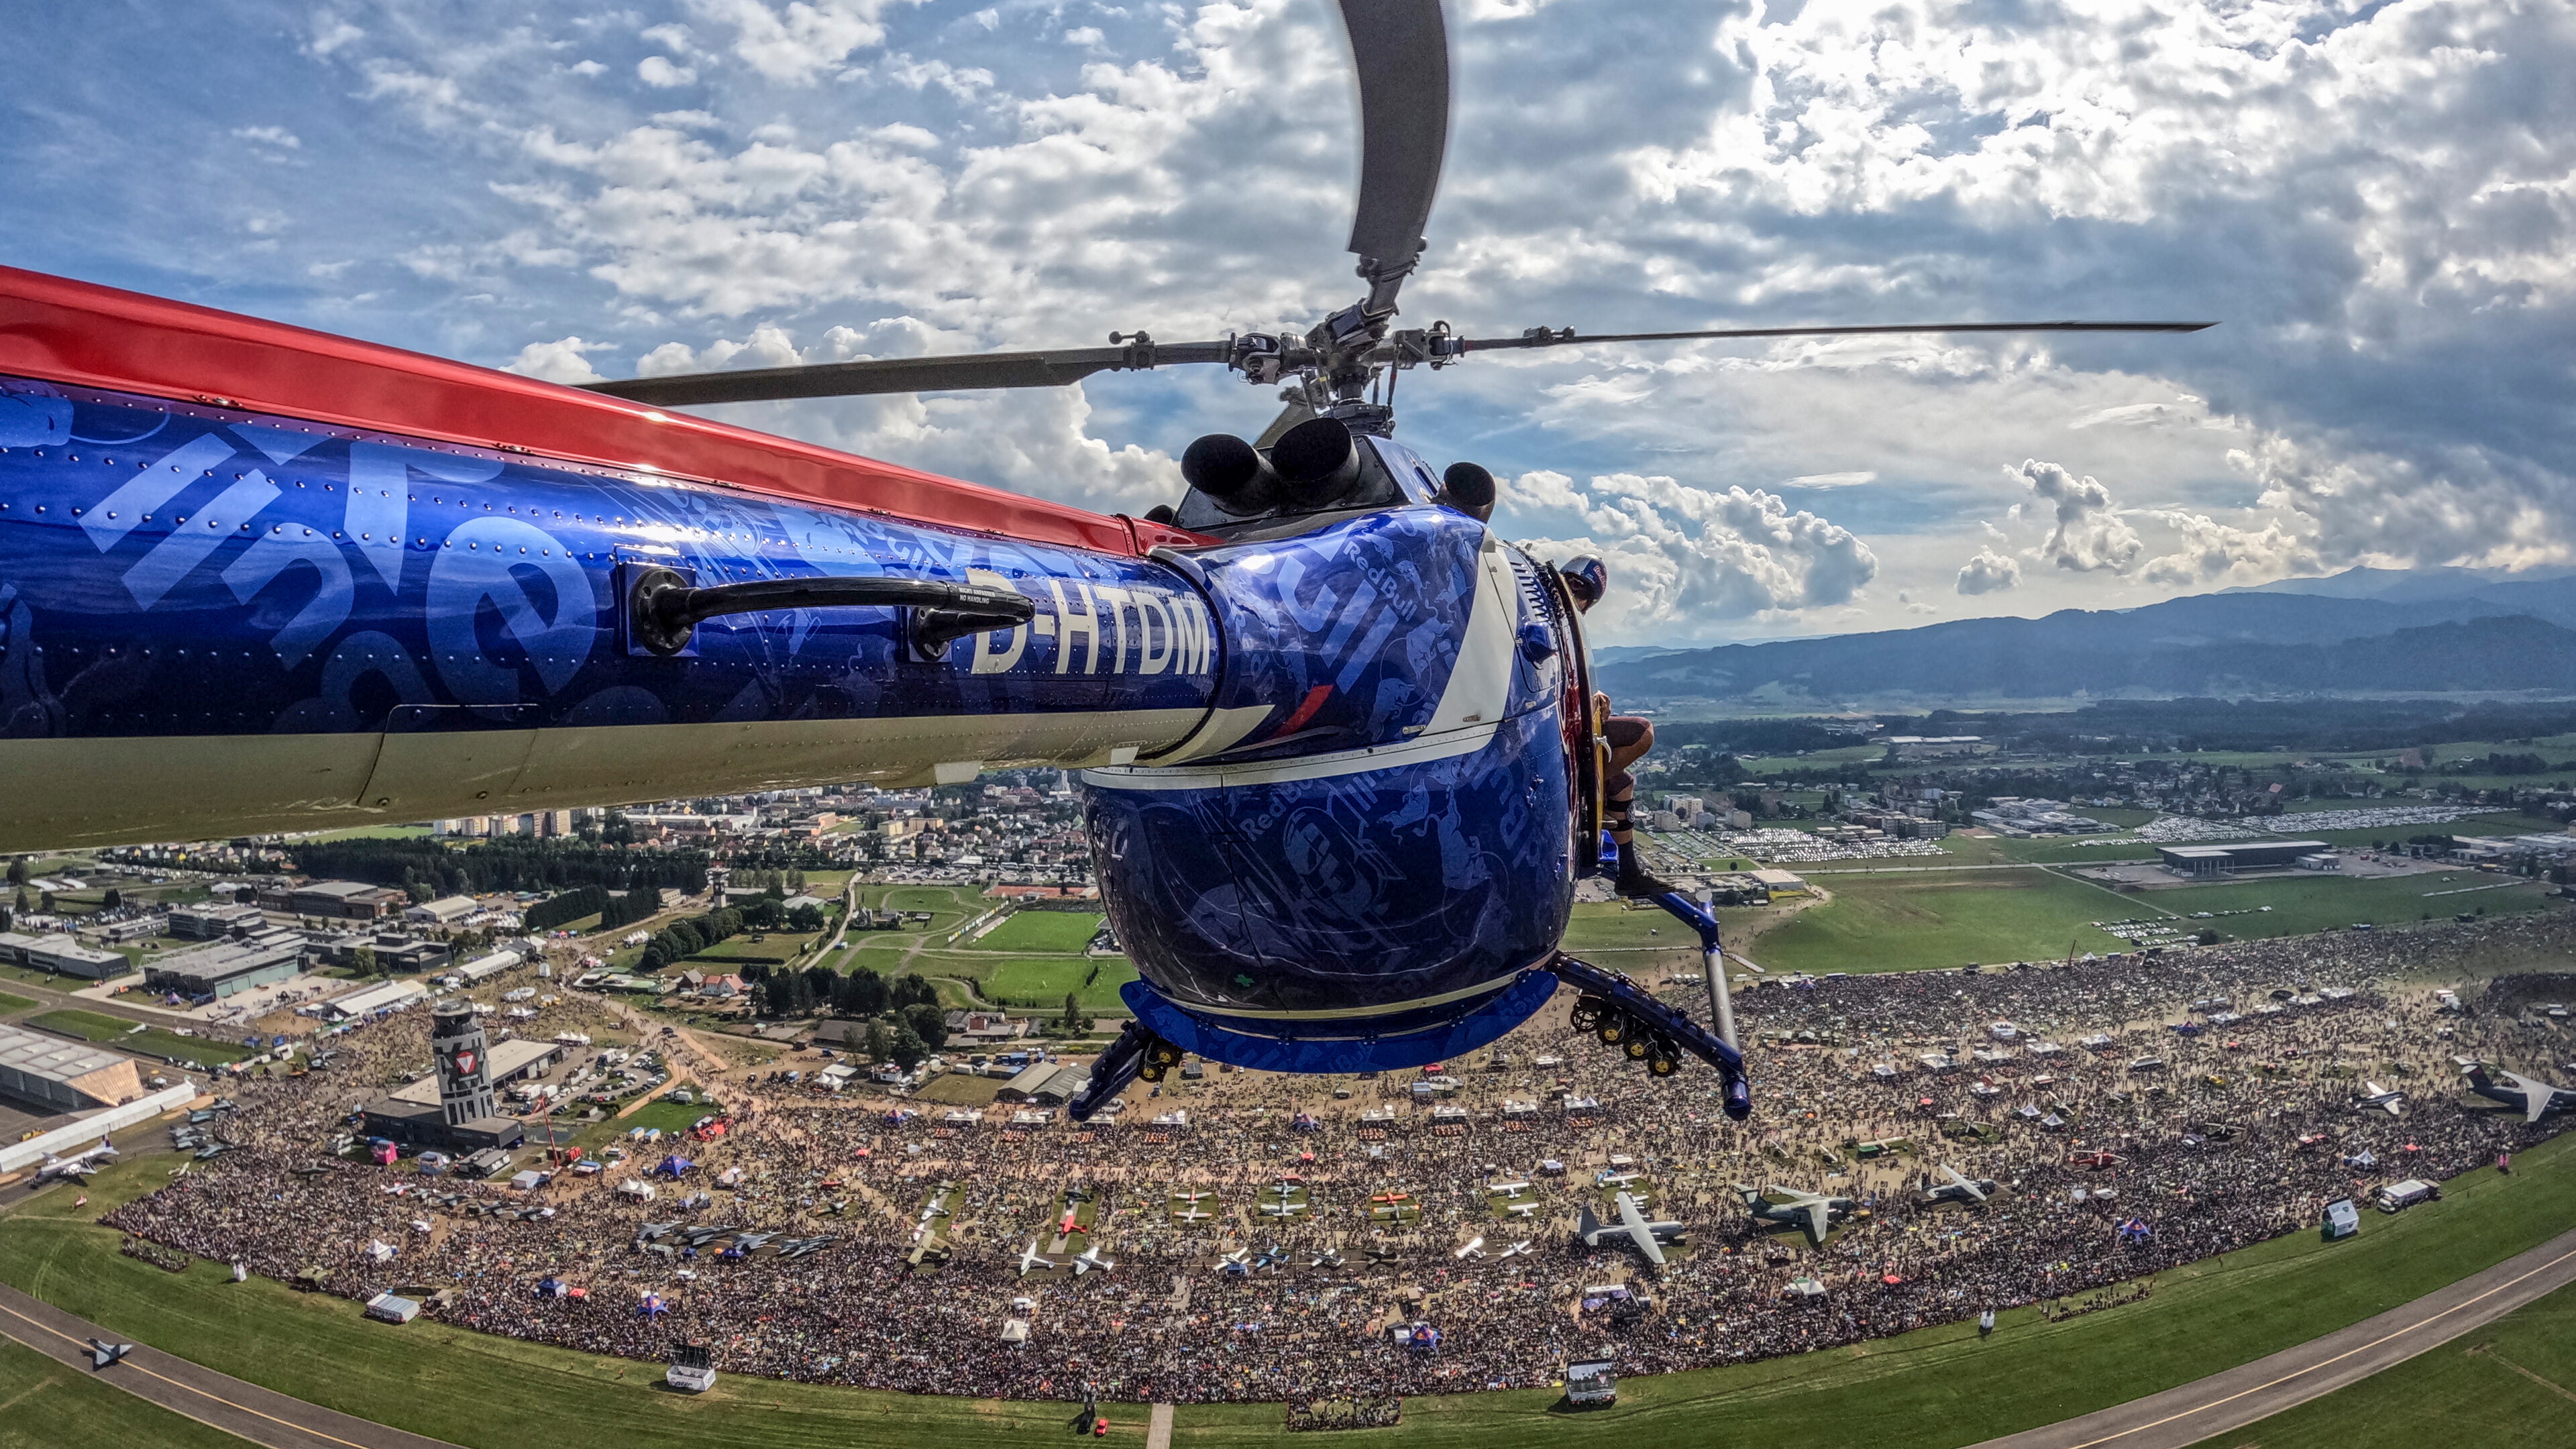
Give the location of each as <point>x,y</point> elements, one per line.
<point>663,609</point>
<point>1626,1016</point>
<point>1138,1052</point>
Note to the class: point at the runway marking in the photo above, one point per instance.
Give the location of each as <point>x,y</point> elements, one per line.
<point>185,1388</point>
<point>2329,1363</point>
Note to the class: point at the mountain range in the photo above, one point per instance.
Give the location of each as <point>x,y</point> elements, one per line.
<point>2363,632</point>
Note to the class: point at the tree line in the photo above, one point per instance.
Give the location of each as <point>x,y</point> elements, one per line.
<point>428,869</point>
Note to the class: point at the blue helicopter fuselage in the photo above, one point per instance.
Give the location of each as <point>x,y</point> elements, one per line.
<point>1326,762</point>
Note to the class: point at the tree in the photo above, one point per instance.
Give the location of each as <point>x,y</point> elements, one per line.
<point>18,870</point>
<point>928,1022</point>
<point>914,989</point>
<point>880,1042</point>
<point>908,1048</point>
<point>46,903</point>
<point>364,961</point>
<point>26,900</point>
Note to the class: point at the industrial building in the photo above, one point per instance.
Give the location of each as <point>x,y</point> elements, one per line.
<point>445,911</point>
<point>213,920</point>
<point>345,900</point>
<point>2200,861</point>
<point>55,952</point>
<point>227,967</point>
<point>63,1076</point>
<point>396,953</point>
<point>385,996</point>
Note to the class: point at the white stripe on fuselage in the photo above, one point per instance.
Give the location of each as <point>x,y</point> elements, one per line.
<point>1472,706</point>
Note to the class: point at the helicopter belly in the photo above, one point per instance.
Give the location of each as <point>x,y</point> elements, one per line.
<point>213,623</point>
<point>1389,855</point>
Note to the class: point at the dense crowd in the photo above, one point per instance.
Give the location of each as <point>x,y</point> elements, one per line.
<point>2245,1132</point>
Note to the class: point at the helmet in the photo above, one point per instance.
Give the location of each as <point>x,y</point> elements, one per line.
<point>1587,578</point>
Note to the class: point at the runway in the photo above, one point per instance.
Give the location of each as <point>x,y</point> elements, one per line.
<point>241,1409</point>
<point>2222,1402</point>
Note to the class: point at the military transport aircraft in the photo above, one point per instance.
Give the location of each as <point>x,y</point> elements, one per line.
<point>2376,1095</point>
<point>255,578</point>
<point>2536,1099</point>
<point>1813,1214</point>
<point>76,1167</point>
<point>1971,1191</point>
<point>1649,1236</point>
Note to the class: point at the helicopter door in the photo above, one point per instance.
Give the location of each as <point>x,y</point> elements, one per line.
<point>1582,713</point>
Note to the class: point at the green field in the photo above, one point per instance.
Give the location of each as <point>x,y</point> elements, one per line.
<point>2307,903</point>
<point>9,1003</point>
<point>1927,1390</point>
<point>117,1032</point>
<point>1040,983</point>
<point>1039,931</point>
<point>2509,1385</point>
<point>1899,921</point>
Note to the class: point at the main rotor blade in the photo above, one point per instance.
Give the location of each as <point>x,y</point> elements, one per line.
<point>1541,337</point>
<point>1053,368</point>
<point>1402,52</point>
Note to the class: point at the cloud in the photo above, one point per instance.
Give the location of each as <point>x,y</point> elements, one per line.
<point>800,42</point>
<point>2090,535</point>
<point>1989,572</point>
<point>1684,560</point>
<point>2211,552</point>
<point>557,361</point>
<point>659,72</point>
<point>278,136</point>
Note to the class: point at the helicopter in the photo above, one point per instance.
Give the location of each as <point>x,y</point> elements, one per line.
<point>1341,752</point>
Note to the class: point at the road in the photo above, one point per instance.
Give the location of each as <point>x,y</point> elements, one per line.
<point>2225,1402</point>
<point>241,1409</point>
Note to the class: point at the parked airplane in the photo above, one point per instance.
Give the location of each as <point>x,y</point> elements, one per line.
<point>1192,1215</point>
<point>1515,1250</point>
<point>2536,1099</point>
<point>1521,1209</point>
<point>1194,1196</point>
<point>1969,1191</point>
<point>1810,1213</point>
<point>1651,1237</point>
<point>2378,1096</point>
<point>1382,1255</point>
<point>1031,1259</point>
<point>77,1166</point>
<point>1325,1260</point>
<point>1089,1259</point>
<point>1514,1188</point>
<point>1473,1248</point>
<point>1607,1178</point>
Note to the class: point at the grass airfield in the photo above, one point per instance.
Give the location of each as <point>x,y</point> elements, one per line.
<point>1932,1389</point>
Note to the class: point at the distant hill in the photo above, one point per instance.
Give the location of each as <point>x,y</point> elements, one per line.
<point>2515,636</point>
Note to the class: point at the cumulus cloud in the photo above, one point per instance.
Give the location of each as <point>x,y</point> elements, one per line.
<point>662,73</point>
<point>557,361</point>
<point>799,42</point>
<point>1685,559</point>
<point>1989,572</point>
<point>2090,534</point>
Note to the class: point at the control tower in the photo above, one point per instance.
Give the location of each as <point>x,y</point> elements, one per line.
<point>464,1079</point>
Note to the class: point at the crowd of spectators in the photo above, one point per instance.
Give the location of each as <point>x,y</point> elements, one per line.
<point>2245,1131</point>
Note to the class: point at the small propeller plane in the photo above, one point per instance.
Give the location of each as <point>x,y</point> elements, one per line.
<point>2378,1096</point>
<point>1515,1250</point>
<point>1325,1260</point>
<point>1521,1209</point>
<point>1089,1259</point>
<point>1650,1236</point>
<point>1472,1248</point>
<point>1971,1192</point>
<point>1513,1188</point>
<point>1282,1209</point>
<point>1031,1260</point>
<point>2537,1099</point>
<point>1813,1214</point>
<point>1192,1215</point>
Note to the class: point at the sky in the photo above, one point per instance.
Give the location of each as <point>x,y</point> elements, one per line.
<point>2373,200</point>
